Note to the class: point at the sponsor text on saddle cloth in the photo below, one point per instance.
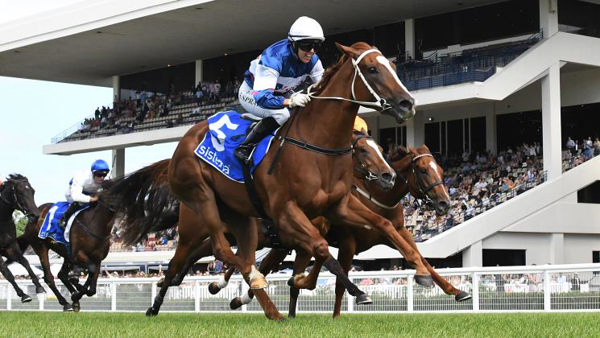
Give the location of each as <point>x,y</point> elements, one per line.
<point>226,131</point>
<point>51,229</point>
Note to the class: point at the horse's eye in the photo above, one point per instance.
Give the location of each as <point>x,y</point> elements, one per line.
<point>362,150</point>
<point>372,70</point>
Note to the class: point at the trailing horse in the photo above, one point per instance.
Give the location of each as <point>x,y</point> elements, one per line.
<point>16,194</point>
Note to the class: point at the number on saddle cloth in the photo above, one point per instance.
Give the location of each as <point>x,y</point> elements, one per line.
<point>227,130</point>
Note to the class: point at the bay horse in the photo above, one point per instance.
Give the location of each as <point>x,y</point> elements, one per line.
<point>16,193</point>
<point>89,244</point>
<point>368,162</point>
<point>311,177</point>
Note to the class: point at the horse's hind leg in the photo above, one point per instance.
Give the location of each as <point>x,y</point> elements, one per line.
<point>14,253</point>
<point>11,279</point>
<point>300,263</point>
<point>448,288</point>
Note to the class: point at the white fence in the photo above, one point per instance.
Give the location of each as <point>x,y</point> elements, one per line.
<point>528,288</point>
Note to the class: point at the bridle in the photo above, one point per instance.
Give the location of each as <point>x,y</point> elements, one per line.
<point>362,168</point>
<point>15,200</point>
<point>380,104</point>
<point>422,190</point>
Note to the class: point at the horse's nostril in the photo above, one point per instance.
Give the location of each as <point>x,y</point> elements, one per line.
<point>443,205</point>
<point>387,177</point>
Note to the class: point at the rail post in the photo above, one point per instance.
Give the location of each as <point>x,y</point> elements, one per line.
<point>410,293</point>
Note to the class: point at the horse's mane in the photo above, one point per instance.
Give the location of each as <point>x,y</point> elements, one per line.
<point>146,200</point>
<point>16,177</point>
<point>333,69</point>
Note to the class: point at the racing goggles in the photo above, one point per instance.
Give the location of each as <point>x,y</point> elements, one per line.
<point>308,45</point>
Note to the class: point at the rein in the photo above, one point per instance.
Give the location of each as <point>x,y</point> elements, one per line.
<point>88,230</point>
<point>313,148</point>
<point>423,190</point>
<point>362,170</point>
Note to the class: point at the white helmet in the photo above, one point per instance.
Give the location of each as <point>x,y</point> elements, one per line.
<point>305,28</point>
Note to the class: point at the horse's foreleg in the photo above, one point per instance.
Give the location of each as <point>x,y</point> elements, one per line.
<point>300,263</point>
<point>11,279</point>
<point>71,284</point>
<point>347,248</point>
<point>448,288</point>
<point>14,252</point>
<point>357,214</point>
<point>42,252</point>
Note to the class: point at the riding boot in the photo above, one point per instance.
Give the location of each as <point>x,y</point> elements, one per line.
<point>65,217</point>
<point>263,128</point>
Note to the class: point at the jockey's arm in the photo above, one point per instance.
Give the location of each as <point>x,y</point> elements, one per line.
<point>265,81</point>
<point>76,190</point>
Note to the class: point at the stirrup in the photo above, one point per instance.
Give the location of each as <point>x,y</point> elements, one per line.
<point>242,153</point>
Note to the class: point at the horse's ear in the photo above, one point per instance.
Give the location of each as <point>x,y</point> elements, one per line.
<point>411,149</point>
<point>353,53</point>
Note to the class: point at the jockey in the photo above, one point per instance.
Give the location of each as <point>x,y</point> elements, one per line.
<point>82,188</point>
<point>277,72</point>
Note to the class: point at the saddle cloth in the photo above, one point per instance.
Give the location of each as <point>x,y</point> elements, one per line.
<point>51,229</point>
<point>226,131</point>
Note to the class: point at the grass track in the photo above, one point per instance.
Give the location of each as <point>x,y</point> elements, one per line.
<point>58,324</point>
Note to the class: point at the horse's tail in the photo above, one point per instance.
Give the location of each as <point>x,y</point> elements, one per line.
<point>146,201</point>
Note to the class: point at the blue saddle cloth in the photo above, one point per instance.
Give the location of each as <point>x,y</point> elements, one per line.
<point>227,130</point>
<point>51,229</point>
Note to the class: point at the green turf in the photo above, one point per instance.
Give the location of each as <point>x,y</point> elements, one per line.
<point>58,324</point>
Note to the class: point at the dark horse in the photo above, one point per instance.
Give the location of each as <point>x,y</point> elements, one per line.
<point>311,177</point>
<point>368,163</point>
<point>420,175</point>
<point>16,194</point>
<point>89,242</point>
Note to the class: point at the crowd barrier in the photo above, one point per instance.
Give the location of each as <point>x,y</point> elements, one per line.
<point>500,289</point>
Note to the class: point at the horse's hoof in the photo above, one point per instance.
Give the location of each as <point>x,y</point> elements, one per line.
<point>363,299</point>
<point>213,288</point>
<point>25,299</point>
<point>76,307</point>
<point>424,280</point>
<point>235,303</point>
<point>291,315</point>
<point>462,296</point>
<point>67,308</point>
<point>282,320</point>
<point>151,312</point>
<point>40,289</point>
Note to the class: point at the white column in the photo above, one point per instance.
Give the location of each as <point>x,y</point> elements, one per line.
<point>118,163</point>
<point>116,84</point>
<point>548,17</point>
<point>409,37</point>
<point>551,133</point>
<point>557,249</point>
<point>490,130</point>
<point>410,132</point>
<point>473,255</point>
<point>199,76</point>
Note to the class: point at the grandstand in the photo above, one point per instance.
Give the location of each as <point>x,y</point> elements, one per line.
<point>482,86</point>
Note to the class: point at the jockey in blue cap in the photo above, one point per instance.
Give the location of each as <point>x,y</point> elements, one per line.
<point>274,75</point>
<point>82,188</point>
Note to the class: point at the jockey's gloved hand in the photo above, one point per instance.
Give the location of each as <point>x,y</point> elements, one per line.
<point>299,100</point>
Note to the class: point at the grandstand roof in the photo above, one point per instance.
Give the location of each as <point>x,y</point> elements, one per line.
<point>88,42</point>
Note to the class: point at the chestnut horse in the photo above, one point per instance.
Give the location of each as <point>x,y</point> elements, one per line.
<point>16,194</point>
<point>368,162</point>
<point>89,241</point>
<point>311,177</point>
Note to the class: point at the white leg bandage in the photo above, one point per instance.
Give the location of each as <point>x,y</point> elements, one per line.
<point>246,299</point>
<point>222,283</point>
